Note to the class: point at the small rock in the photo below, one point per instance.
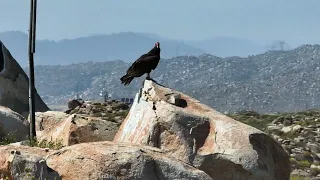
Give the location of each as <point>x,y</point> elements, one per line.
<point>313,147</point>
<point>298,150</point>
<point>299,157</point>
<point>300,172</point>
<point>314,166</point>
<point>286,130</point>
<point>72,104</point>
<point>287,142</point>
<point>274,129</point>
<point>297,128</point>
<point>287,122</point>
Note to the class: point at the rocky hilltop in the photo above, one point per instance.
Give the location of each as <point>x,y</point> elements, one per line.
<point>276,81</point>
<point>166,135</point>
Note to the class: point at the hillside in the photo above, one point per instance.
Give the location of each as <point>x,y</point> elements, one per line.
<point>125,45</point>
<point>276,81</point>
<point>299,135</point>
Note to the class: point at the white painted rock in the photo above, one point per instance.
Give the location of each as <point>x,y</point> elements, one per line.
<point>202,137</point>
<point>14,92</point>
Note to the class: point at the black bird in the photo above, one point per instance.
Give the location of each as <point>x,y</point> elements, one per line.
<point>145,64</point>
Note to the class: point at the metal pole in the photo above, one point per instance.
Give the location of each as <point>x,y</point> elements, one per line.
<point>34,26</point>
<point>31,49</point>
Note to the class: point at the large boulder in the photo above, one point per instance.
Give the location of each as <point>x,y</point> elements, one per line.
<point>94,161</point>
<point>13,124</point>
<point>89,122</point>
<point>14,82</point>
<point>202,137</point>
<point>25,163</point>
<point>48,120</point>
<point>78,128</point>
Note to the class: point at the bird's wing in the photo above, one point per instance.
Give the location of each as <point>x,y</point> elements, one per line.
<point>144,61</point>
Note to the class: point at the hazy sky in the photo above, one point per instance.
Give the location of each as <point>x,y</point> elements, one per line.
<point>258,20</point>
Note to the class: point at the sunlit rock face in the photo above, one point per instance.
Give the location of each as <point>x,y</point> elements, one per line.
<point>14,92</point>
<point>200,136</point>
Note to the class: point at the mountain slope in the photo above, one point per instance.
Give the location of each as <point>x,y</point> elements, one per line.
<point>127,46</point>
<point>270,82</point>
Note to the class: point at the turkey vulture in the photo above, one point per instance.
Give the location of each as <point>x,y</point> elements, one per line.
<point>145,64</point>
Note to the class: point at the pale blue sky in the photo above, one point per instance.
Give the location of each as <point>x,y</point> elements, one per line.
<point>258,20</point>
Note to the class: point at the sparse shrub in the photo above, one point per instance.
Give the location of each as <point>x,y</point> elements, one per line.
<point>314,171</point>
<point>304,164</point>
<point>297,177</point>
<point>97,114</point>
<point>6,138</point>
<point>289,135</point>
<point>254,119</point>
<point>46,144</point>
<point>121,113</point>
<point>293,161</point>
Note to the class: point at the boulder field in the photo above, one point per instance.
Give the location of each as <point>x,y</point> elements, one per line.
<point>165,135</point>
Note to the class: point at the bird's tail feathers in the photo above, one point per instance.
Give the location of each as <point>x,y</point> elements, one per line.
<point>126,79</point>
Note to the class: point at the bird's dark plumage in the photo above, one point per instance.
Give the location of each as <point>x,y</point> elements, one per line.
<point>145,64</point>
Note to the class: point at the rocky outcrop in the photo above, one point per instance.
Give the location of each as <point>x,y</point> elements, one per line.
<point>25,163</point>
<point>166,135</point>
<point>12,124</point>
<point>48,120</point>
<point>202,137</point>
<point>79,129</point>
<point>88,122</point>
<point>119,161</point>
<point>72,104</point>
<point>100,160</point>
<point>14,91</point>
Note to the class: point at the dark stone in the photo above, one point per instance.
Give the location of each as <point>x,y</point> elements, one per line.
<point>1,59</point>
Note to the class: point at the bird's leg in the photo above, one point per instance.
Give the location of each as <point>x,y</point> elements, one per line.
<point>148,76</point>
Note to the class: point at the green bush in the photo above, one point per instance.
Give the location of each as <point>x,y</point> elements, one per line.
<point>304,164</point>
<point>46,144</point>
<point>297,177</point>
<point>6,138</point>
<point>314,171</point>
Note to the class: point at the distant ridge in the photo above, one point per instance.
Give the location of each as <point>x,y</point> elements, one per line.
<point>126,46</point>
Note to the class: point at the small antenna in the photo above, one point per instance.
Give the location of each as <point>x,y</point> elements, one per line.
<point>78,90</point>
<point>281,45</point>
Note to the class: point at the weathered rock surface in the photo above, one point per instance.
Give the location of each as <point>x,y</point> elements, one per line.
<point>25,163</point>
<point>79,129</point>
<point>13,124</point>
<point>14,91</point>
<point>202,137</point>
<point>89,122</point>
<point>95,161</point>
<point>119,161</point>
<point>47,120</point>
